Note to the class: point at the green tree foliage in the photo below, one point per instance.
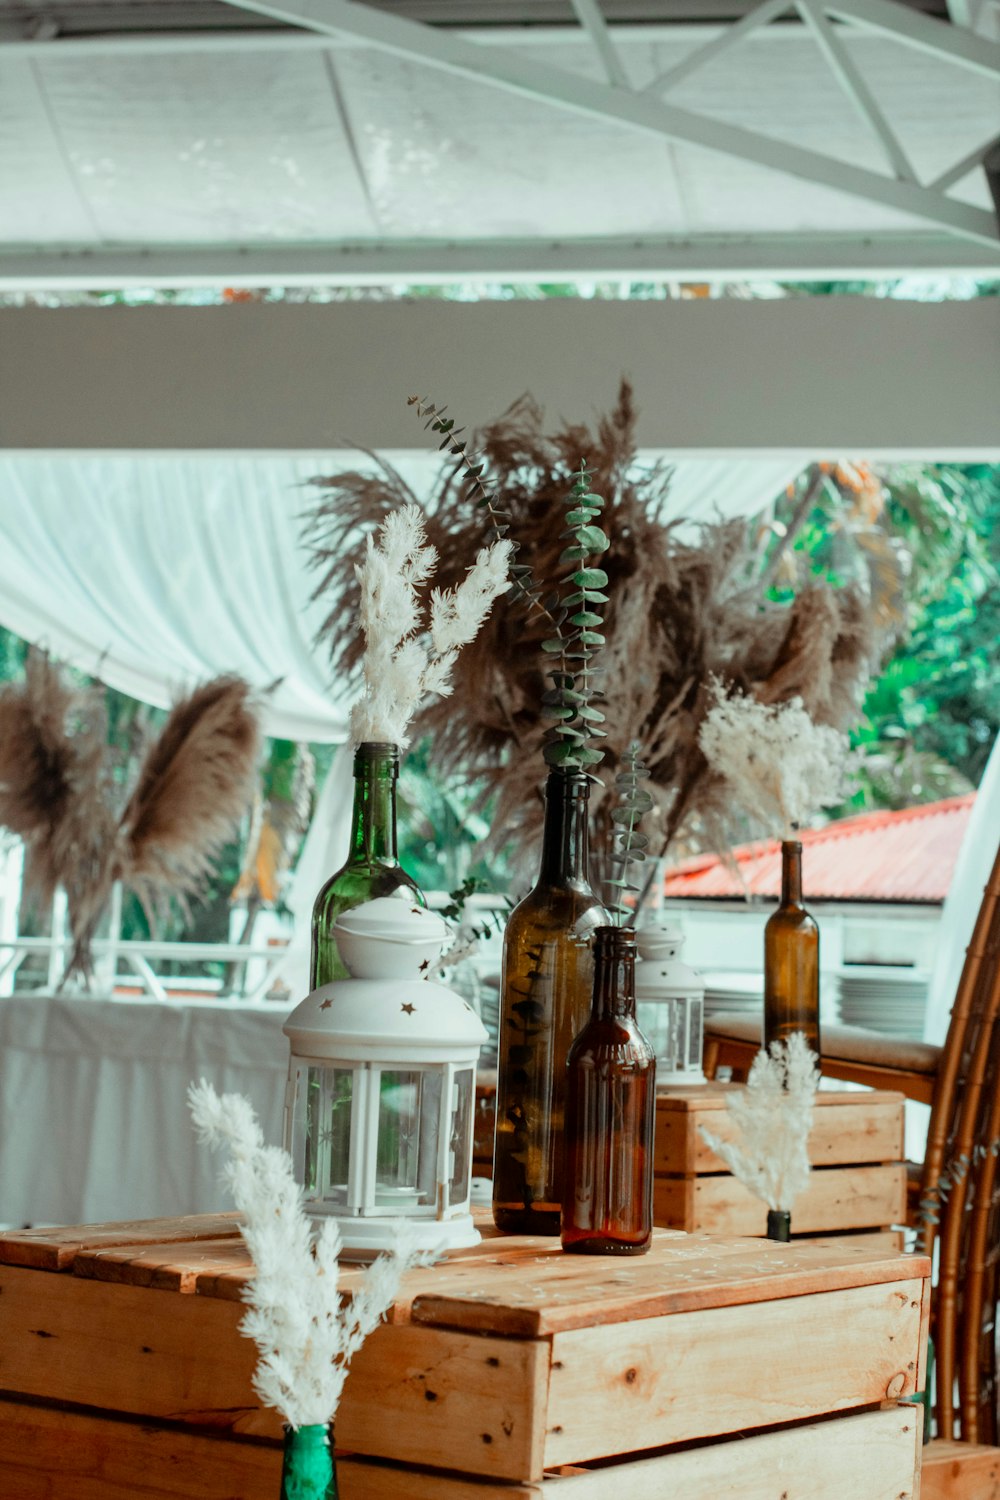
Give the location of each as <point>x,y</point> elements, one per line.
<point>929,538</point>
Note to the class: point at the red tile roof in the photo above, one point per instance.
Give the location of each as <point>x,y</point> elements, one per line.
<point>881,856</point>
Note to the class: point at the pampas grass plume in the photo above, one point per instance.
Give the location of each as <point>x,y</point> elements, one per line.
<point>773,1116</point>
<point>305,1337</point>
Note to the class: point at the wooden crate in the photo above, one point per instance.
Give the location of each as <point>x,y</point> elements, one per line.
<point>858,1181</point>
<point>960,1471</point>
<point>502,1369</point>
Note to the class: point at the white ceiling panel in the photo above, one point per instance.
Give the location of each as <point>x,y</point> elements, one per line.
<point>446,158</point>
<point>39,198</point>
<point>248,147</point>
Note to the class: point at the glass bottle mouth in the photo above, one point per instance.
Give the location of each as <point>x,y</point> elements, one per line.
<point>376,753</point>
<point>614,940</point>
<point>570,783</point>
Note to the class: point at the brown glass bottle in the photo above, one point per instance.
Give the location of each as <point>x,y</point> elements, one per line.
<point>791,960</point>
<point>545,994</point>
<point>372,868</point>
<point>610,1114</point>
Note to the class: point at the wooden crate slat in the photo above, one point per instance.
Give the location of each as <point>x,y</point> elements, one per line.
<point>683,1274</point>
<point>837,1198</point>
<point>413,1393</point>
<point>848,1129</point>
<point>56,1249</point>
<point>869,1456</point>
<point>770,1363</point>
<point>960,1471</point>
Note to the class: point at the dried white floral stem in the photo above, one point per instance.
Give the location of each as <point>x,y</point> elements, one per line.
<point>305,1331</point>
<point>401,669</point>
<point>781,766</point>
<point>773,1116</point>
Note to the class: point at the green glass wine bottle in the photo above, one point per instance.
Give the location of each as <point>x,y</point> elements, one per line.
<point>372,868</point>
<point>610,1114</point>
<point>791,959</point>
<point>546,987</point>
<point>309,1469</point>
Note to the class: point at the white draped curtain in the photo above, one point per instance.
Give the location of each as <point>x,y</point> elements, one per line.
<point>154,572</point>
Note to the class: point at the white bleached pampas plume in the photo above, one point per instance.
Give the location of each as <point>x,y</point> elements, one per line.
<point>773,1116</point>
<point>305,1336</point>
<point>780,764</point>
<point>400,668</point>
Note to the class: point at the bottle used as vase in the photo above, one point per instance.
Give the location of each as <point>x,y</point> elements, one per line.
<point>791,959</point>
<point>610,1114</point>
<point>309,1469</point>
<point>545,1000</point>
<point>372,868</point>
<point>779,1225</point>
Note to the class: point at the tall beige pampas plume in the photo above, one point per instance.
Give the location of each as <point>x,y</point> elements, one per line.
<point>773,1116</point>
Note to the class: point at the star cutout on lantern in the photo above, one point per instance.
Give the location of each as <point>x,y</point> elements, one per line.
<point>409,1009</point>
<point>425,965</point>
<point>325,1004</point>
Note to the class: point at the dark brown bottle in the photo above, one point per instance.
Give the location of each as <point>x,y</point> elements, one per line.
<point>791,960</point>
<point>372,867</point>
<point>610,1114</point>
<point>544,1002</point>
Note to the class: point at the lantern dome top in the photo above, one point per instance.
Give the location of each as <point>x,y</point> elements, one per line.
<point>385,1020</point>
<point>390,939</point>
<point>659,940</point>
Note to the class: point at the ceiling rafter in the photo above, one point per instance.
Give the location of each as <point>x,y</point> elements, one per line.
<point>754,20</point>
<point>591,18</point>
<point>848,75</point>
<point>438,48</point>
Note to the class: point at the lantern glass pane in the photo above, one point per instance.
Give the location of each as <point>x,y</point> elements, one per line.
<point>408,1131</point>
<point>329,1096</point>
<point>694,1038</point>
<point>459,1145</point>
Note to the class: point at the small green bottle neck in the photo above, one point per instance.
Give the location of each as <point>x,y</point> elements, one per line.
<point>566,833</point>
<point>614,974</point>
<point>791,873</point>
<point>373,820</point>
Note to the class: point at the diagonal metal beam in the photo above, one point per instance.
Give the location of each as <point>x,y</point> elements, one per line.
<point>964,167</point>
<point>754,19</point>
<point>847,74</point>
<point>940,38</point>
<point>591,18</point>
<point>441,49</point>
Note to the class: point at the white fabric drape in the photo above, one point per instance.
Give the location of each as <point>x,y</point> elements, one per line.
<point>94,1123</point>
<point>154,572</point>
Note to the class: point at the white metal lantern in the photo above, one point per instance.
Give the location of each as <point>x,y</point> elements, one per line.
<point>382,1087</point>
<point>670,1000</point>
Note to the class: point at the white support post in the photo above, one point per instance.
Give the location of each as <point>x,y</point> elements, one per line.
<point>754,20</point>
<point>591,18</point>
<point>939,38</point>
<point>845,70</point>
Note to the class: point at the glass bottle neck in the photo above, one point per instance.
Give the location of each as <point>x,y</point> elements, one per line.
<point>565,834</point>
<point>791,873</point>
<point>614,974</point>
<point>373,821</point>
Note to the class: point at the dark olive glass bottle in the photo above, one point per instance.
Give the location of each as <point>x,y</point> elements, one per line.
<point>546,986</point>
<point>791,959</point>
<point>309,1469</point>
<point>372,868</point>
<point>610,1114</point>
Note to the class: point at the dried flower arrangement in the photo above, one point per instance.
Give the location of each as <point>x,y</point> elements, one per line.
<point>682,608</point>
<point>305,1332</point>
<point>780,765</point>
<point>399,669</point>
<point>83,831</point>
<point>773,1116</point>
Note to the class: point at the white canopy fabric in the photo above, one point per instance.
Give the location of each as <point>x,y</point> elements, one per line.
<point>155,572</point>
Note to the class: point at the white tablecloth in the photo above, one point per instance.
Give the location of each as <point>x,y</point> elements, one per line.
<point>94,1123</point>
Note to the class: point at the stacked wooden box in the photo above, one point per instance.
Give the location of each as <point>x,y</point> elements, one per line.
<point>858,1182</point>
<point>708,1368</point>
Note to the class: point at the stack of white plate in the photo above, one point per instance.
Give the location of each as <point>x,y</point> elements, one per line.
<point>889,1000</point>
<point>738,993</point>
